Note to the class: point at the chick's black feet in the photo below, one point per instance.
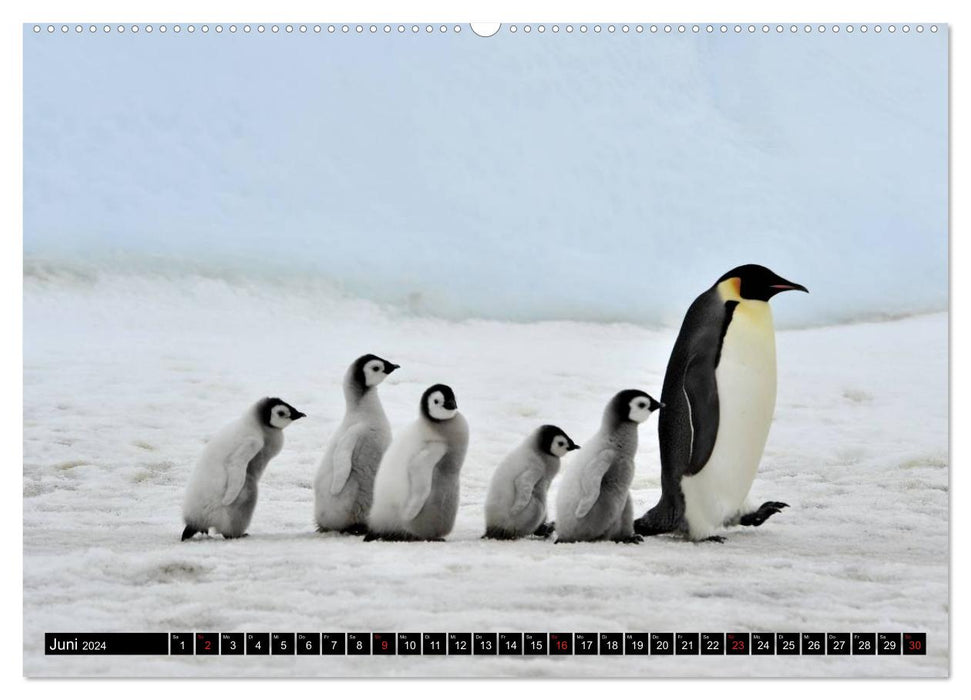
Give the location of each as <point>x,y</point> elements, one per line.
<point>356,529</point>
<point>545,530</point>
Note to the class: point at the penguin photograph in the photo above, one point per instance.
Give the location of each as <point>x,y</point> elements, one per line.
<point>571,328</point>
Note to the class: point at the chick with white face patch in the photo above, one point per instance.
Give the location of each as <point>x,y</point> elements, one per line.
<point>719,389</point>
<point>222,490</point>
<point>594,500</point>
<point>344,484</point>
<point>516,501</point>
<point>416,491</point>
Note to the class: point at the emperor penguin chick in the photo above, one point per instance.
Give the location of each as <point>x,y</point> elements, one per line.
<point>416,491</point>
<point>344,484</point>
<point>594,499</point>
<point>516,501</point>
<point>223,487</point>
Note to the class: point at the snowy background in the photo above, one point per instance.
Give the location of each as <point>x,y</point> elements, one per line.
<point>210,219</point>
<point>518,177</point>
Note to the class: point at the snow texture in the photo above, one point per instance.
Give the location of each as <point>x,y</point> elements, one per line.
<point>523,177</point>
<point>127,374</point>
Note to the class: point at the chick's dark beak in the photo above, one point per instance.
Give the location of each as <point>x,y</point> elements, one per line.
<point>450,404</point>
<point>390,367</point>
<point>572,447</point>
<point>297,415</point>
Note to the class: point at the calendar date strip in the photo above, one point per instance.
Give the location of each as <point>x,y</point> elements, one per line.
<point>487,643</point>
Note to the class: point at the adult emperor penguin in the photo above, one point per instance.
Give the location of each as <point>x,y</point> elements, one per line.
<point>223,487</point>
<point>345,478</point>
<point>594,499</point>
<point>516,501</point>
<point>416,491</point>
<point>719,391</point>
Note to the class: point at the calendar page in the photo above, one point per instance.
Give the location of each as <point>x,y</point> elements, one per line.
<point>483,350</point>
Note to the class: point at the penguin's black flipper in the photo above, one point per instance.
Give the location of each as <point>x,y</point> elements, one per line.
<point>188,532</point>
<point>765,511</point>
<point>701,393</point>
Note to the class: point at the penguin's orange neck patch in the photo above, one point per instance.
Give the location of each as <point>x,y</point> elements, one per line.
<point>731,289</point>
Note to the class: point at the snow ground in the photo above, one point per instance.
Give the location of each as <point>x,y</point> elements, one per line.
<point>125,377</point>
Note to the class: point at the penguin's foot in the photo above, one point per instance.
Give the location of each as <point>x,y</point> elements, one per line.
<point>633,539</point>
<point>765,511</point>
<point>713,538</point>
<point>235,537</point>
<point>357,529</point>
<point>496,533</point>
<point>545,530</point>
<point>371,536</point>
<point>644,526</point>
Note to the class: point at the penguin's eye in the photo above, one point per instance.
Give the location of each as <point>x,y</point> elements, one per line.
<point>642,405</point>
<point>437,401</point>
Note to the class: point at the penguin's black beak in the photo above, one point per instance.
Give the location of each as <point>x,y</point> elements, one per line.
<point>783,285</point>
<point>297,415</point>
<point>390,367</point>
<point>450,404</point>
<point>572,447</point>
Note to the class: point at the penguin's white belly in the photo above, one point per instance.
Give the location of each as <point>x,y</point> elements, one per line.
<point>746,381</point>
<point>391,483</point>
